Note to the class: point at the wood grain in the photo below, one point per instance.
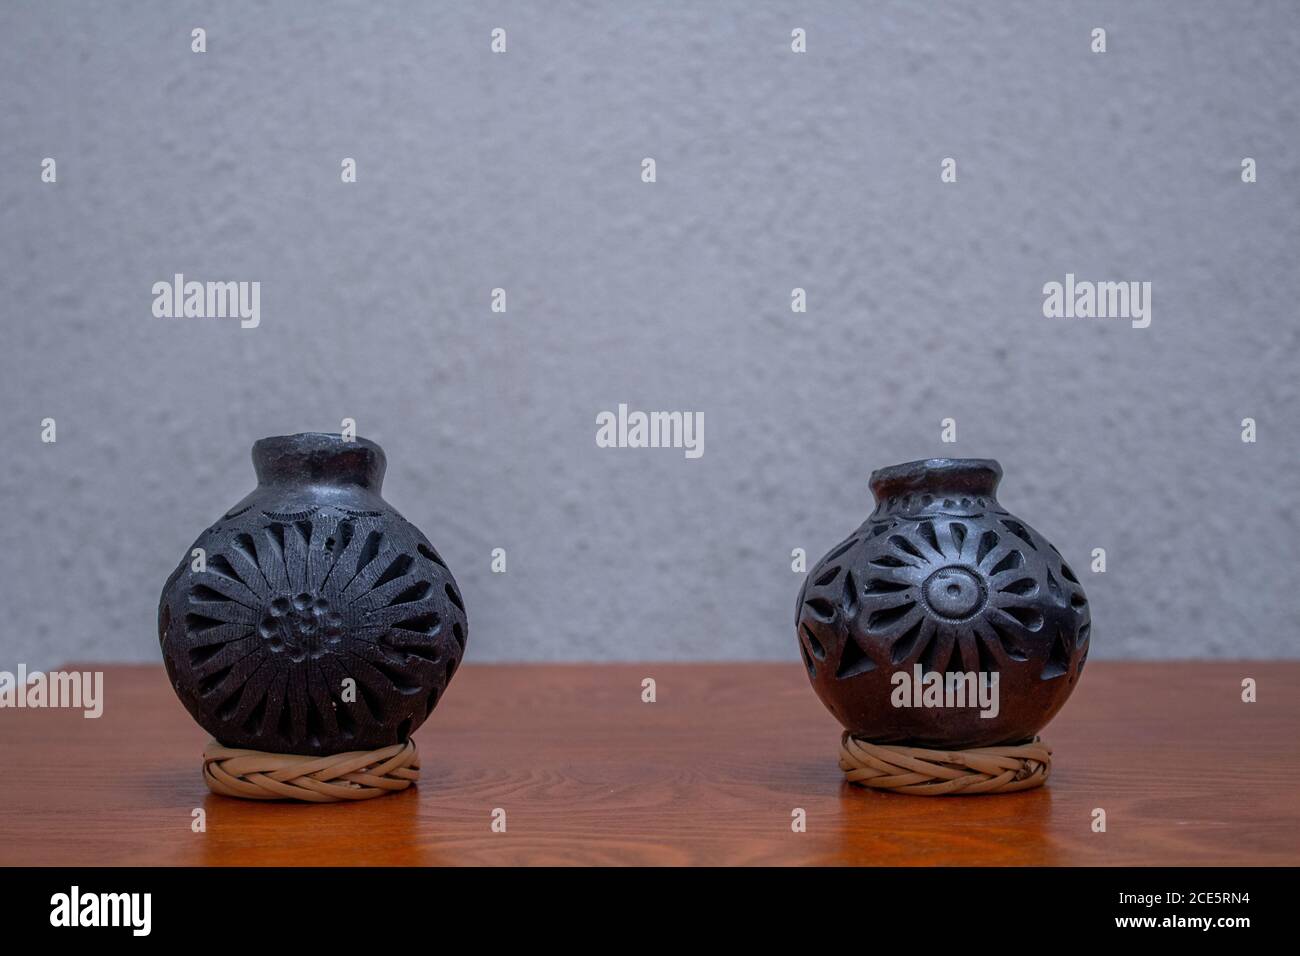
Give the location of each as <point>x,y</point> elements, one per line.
<point>709,774</point>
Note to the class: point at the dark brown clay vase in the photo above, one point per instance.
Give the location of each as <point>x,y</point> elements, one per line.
<point>941,576</point>
<point>312,618</point>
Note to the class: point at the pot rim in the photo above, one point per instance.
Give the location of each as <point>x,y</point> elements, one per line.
<point>316,456</point>
<point>976,476</point>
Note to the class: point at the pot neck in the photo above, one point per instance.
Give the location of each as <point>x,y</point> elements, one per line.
<point>940,485</point>
<point>319,458</point>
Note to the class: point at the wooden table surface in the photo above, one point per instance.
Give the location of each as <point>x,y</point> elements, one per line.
<point>709,774</point>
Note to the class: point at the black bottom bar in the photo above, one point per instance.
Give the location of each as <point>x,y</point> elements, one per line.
<point>332,906</point>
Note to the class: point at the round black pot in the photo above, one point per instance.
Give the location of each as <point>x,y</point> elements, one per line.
<point>312,618</point>
<point>942,576</point>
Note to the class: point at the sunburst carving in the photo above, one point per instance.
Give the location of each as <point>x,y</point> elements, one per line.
<point>948,592</point>
<point>295,608</point>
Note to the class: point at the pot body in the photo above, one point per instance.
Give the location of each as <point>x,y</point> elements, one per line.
<point>312,618</point>
<point>942,579</point>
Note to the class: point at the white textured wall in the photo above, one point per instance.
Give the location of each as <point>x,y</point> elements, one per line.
<point>775,170</point>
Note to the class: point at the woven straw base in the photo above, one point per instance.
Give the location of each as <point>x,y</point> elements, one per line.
<point>358,775</point>
<point>939,773</point>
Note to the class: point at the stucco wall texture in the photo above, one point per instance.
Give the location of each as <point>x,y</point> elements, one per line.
<point>775,170</point>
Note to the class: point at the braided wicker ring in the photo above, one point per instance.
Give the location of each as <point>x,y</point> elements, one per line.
<point>936,773</point>
<point>357,775</point>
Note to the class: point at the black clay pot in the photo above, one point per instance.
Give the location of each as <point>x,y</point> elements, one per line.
<point>942,576</point>
<point>316,619</point>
